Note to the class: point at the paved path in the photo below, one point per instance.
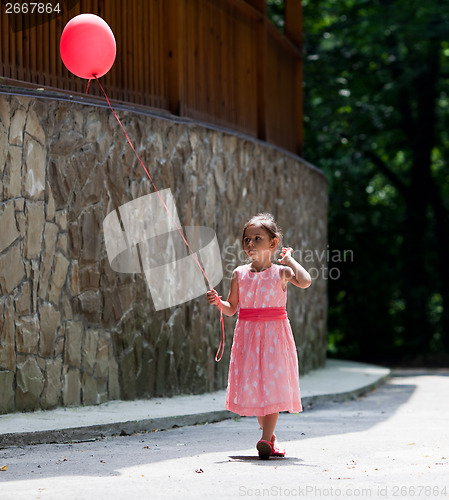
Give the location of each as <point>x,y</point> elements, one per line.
<point>391,443</point>
<point>338,380</point>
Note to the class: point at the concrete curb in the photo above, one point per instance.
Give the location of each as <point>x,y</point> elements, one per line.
<point>339,397</point>
<point>95,432</point>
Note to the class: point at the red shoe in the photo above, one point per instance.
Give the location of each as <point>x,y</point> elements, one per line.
<point>277,452</point>
<point>265,449</point>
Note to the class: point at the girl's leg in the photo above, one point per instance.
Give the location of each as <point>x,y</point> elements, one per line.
<point>268,424</point>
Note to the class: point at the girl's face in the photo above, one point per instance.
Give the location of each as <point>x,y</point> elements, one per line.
<point>258,244</point>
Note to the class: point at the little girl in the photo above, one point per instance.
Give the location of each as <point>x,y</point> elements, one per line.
<point>263,371</point>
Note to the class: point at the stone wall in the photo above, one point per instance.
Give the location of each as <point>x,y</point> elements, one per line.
<point>75,332</point>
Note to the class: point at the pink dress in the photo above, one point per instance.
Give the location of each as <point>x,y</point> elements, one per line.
<point>263,372</point>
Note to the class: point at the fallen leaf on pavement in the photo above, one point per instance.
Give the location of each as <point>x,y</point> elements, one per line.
<point>3,468</point>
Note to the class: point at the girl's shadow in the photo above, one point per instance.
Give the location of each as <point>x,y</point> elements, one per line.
<point>272,460</point>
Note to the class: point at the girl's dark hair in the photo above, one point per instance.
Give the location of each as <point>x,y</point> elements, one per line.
<point>267,222</point>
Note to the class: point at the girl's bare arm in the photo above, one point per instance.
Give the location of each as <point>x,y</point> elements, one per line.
<point>297,275</point>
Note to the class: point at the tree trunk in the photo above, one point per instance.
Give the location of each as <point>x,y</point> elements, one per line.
<point>421,136</point>
<point>417,329</point>
<point>442,233</point>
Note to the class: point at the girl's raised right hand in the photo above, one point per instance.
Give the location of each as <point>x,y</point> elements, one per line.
<point>213,297</point>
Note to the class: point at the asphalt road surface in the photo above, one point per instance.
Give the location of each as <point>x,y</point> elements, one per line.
<point>391,443</point>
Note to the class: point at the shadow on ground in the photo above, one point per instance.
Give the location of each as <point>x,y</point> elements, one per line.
<point>231,440</point>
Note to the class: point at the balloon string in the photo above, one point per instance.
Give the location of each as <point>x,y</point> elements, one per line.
<point>222,341</point>
<point>149,176</point>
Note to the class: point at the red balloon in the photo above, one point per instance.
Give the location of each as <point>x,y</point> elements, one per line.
<point>88,46</point>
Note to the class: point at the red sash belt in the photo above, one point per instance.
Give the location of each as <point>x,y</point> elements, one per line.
<point>263,314</point>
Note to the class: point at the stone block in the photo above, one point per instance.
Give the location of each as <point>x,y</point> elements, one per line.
<point>30,383</point>
<point>92,191</point>
<point>102,360</point>
<point>128,374</point>
<point>12,177</point>
<point>35,281</point>
<point>102,390</point>
<point>74,285</point>
<point>50,237</point>
<point>19,204</point>
<point>94,128</point>
<point>2,310</point>
<point>61,219</point>
<point>71,389</point>
<point>67,143</point>
<point>12,269</point>
<point>52,394</point>
<point>60,342</point>
<point>210,208</point>
<point>27,334</point>
<point>78,116</point>
<point>126,296</point>
<point>91,236</point>
<point>7,392</point>
<point>89,304</point>
<point>74,240</point>
<point>89,392</point>
<point>58,181</point>
<point>89,350</point>
<point>89,279</point>
<point>113,379</point>
<point>35,212</point>
<point>108,314</point>
<point>35,164</point>
<point>61,265</point>
<point>34,128</point>
<point>62,243</point>
<point>219,174</point>
<point>50,205</point>
<point>5,111</point>
<point>8,232</point>
<point>21,222</point>
<point>74,336</point>
<point>17,127</point>
<point>50,321</point>
<point>66,308</point>
<point>23,301</point>
<point>7,337</point>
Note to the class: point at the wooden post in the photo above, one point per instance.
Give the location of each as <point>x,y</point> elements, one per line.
<point>293,22</point>
<point>174,13</point>
<point>261,69</point>
<point>293,31</point>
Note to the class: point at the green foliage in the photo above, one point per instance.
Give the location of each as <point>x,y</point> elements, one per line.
<point>276,13</point>
<point>376,121</point>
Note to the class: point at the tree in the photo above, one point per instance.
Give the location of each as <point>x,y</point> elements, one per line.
<point>376,104</point>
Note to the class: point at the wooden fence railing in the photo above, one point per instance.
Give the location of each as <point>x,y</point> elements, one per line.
<point>216,61</point>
